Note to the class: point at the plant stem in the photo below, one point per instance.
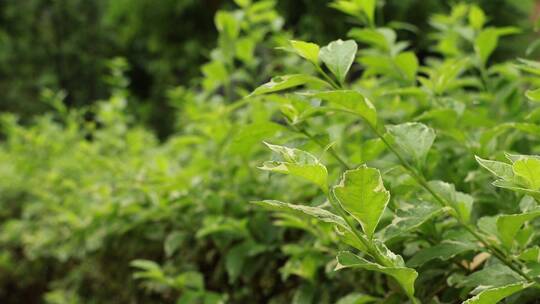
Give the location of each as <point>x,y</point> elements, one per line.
<point>369,246</point>
<point>328,78</point>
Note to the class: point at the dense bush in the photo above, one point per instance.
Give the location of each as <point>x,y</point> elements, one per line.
<point>414,163</point>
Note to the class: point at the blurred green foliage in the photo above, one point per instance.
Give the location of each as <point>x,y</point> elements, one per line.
<point>65,44</point>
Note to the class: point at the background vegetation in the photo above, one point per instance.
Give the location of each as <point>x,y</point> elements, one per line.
<point>129,149</point>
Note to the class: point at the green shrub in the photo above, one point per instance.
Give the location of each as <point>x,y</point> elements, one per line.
<point>412,203</point>
<point>412,170</point>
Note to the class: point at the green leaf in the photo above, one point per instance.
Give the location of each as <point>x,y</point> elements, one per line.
<point>281,83</point>
<point>529,66</point>
<point>494,295</point>
<point>413,138</point>
<point>307,50</point>
<point>514,187</point>
<point>368,7</point>
<point>477,18</point>
<point>531,254</point>
<point>357,298</point>
<point>516,157</point>
<point>485,44</point>
<point>338,57</point>
<point>315,212</point>
<point>378,64</point>
<point>410,217</point>
<point>362,194</point>
<point>304,262</point>
<point>508,225</point>
<point>234,260</point>
<point>487,40</point>
<point>356,8</point>
<point>173,241</point>
<point>381,38</point>
<point>298,163</point>
<point>443,251</point>
<point>493,275</point>
<point>459,201</point>
<point>403,275</point>
<point>350,101</point>
<point>227,24</point>
<point>388,258</point>
<point>250,136</point>
<point>407,63</point>
<point>528,170</point>
<point>223,225</point>
<point>351,239</point>
<point>533,95</point>
<point>499,169</point>
<point>215,74</point>
<point>245,48</point>
<point>243,3</point>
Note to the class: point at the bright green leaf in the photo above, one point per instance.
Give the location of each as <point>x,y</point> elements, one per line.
<point>368,6</point>
<point>508,225</point>
<point>407,64</point>
<point>315,212</point>
<point>487,40</point>
<point>362,194</point>
<point>298,163</point>
<point>350,238</point>
<point>243,3</point>
<point>477,18</point>
<point>227,24</point>
<point>516,157</point>
<point>338,57</point>
<point>414,139</point>
<point>350,101</point>
<point>510,185</point>
<point>533,95</point>
<point>499,169</point>
<point>307,50</point>
<point>281,83</point>
<point>245,47</point>
<point>485,44</point>
<point>528,170</point>
<point>494,295</point>
<point>531,254</point>
<point>403,275</point>
<point>357,298</point>
<point>357,8</point>
<point>388,258</point>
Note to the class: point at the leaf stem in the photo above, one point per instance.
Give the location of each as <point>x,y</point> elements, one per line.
<point>326,77</point>
<point>369,245</point>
